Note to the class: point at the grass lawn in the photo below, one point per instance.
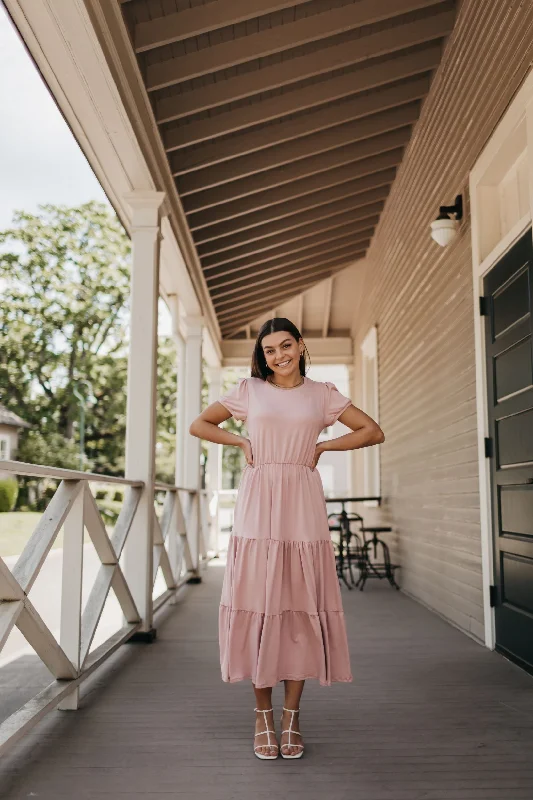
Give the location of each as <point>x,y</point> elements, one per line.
<point>16,528</point>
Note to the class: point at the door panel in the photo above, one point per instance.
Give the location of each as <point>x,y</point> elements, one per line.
<point>514,438</point>
<point>510,303</point>
<point>516,510</point>
<point>509,351</point>
<point>513,370</point>
<point>518,582</point>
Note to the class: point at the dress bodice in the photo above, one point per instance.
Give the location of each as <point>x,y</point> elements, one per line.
<point>284,424</point>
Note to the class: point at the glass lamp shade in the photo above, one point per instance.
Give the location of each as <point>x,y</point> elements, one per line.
<point>443,231</point>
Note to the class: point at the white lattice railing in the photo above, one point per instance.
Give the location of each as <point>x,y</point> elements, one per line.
<point>73,508</point>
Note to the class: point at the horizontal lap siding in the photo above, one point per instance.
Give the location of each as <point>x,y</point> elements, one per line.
<point>420,296</point>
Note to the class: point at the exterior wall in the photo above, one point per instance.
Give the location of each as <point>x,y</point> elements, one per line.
<point>420,296</point>
<point>9,433</point>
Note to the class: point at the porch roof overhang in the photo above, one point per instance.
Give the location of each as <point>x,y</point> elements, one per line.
<point>283,124</point>
<point>274,128</point>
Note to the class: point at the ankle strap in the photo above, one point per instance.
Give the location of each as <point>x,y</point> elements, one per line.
<point>263,710</point>
<point>292,710</point>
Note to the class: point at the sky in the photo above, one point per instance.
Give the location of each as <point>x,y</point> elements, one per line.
<point>40,161</point>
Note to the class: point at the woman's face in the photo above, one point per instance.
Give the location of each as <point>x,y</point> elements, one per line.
<point>282,353</point>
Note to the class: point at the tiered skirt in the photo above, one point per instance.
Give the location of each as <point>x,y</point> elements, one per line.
<point>281,614</point>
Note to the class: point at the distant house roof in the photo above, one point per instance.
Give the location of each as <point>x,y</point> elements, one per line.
<point>7,417</point>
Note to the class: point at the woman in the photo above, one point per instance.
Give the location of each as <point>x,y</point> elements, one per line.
<point>281,615</point>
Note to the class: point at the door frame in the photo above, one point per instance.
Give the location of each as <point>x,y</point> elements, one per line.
<point>513,135</point>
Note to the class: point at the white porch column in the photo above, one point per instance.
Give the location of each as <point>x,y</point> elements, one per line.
<point>181,428</point>
<point>214,456</point>
<point>141,402</point>
<point>352,457</point>
<point>193,407</point>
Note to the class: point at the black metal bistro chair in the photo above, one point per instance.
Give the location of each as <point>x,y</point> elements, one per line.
<point>348,545</point>
<point>375,548</point>
<point>336,529</point>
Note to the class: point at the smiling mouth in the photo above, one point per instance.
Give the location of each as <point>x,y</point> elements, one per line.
<point>284,363</point>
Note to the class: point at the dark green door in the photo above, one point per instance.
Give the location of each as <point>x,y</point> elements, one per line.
<point>508,299</point>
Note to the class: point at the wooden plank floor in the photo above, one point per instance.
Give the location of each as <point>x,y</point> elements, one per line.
<point>431,715</point>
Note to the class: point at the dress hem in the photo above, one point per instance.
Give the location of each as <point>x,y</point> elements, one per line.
<point>281,613</point>
<point>288,678</point>
<point>288,542</point>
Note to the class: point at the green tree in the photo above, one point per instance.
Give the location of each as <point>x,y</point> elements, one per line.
<point>166,410</point>
<point>63,317</point>
<point>53,450</point>
<point>64,276</point>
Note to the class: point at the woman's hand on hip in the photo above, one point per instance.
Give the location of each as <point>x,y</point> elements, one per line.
<point>246,447</point>
<point>318,452</point>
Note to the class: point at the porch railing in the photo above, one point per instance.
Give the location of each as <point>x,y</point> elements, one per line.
<point>74,508</point>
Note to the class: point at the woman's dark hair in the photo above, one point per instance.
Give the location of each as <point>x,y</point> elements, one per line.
<point>259,365</point>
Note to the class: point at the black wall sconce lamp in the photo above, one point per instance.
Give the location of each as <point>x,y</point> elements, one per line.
<point>444,228</point>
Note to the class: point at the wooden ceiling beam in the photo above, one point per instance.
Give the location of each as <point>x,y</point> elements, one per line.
<point>198,20</point>
<point>305,218</point>
<point>300,313</point>
<point>256,241</point>
<point>225,297</point>
<point>321,204</point>
<point>361,228</point>
<point>302,31</point>
<point>245,312</point>
<point>259,255</point>
<point>343,136</point>
<point>371,78</point>
<point>294,205</point>
<point>251,273</point>
<point>231,326</point>
<point>324,162</point>
<point>303,126</point>
<point>358,188</point>
<point>327,307</point>
<point>228,208</point>
<point>301,68</point>
<point>287,251</point>
<point>360,218</point>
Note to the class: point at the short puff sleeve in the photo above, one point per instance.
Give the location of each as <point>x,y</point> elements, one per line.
<point>336,403</point>
<point>236,400</point>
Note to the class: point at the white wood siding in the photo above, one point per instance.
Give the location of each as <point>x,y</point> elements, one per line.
<point>420,297</point>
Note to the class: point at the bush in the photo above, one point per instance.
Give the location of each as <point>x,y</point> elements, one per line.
<point>49,492</point>
<point>118,497</point>
<point>50,449</point>
<point>101,494</point>
<point>109,510</point>
<point>9,490</point>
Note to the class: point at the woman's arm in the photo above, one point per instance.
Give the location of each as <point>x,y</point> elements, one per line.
<point>205,426</point>
<point>365,432</point>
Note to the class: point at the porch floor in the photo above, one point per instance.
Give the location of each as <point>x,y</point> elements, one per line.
<point>431,714</point>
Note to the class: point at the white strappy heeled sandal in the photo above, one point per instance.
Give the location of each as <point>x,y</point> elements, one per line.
<point>290,731</point>
<point>268,732</point>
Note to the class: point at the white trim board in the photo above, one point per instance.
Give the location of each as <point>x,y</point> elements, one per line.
<point>498,158</point>
<point>370,398</point>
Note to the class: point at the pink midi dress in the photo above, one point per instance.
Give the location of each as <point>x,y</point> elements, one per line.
<point>281,614</point>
